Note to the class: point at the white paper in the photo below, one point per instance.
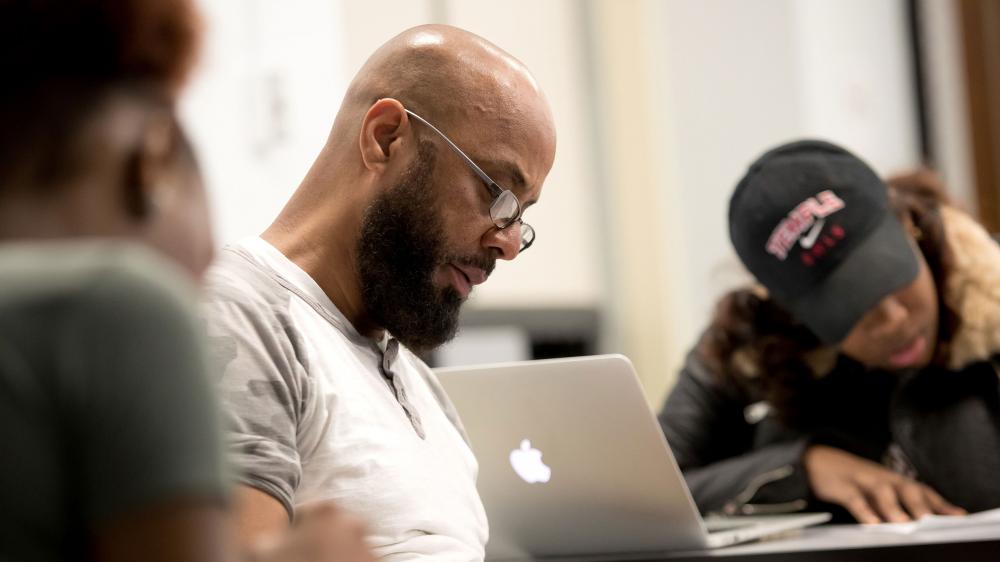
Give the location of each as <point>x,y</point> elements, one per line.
<point>934,522</point>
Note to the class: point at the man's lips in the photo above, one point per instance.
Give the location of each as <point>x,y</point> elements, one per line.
<point>464,277</point>
<point>475,275</point>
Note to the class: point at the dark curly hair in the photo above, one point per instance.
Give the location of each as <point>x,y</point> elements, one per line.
<point>61,59</point>
<point>760,347</point>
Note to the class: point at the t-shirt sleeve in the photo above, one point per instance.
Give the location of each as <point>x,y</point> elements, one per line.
<point>139,406</point>
<point>263,387</point>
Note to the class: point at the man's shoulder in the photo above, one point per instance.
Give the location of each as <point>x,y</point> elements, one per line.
<point>248,304</point>
<point>237,279</point>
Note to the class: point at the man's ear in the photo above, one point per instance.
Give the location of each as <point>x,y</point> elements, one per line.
<point>148,166</point>
<point>384,126</point>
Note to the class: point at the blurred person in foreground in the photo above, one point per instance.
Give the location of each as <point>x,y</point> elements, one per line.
<point>112,450</point>
<point>860,376</point>
<point>441,143</point>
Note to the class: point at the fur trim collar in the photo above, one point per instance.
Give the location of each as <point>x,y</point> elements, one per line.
<point>972,288</point>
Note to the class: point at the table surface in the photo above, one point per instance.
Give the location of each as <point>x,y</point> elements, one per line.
<point>840,542</point>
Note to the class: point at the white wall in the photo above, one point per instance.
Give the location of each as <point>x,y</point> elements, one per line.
<point>261,103</point>
<point>744,76</point>
<point>947,99</point>
<point>729,71</point>
<point>857,79</point>
<point>562,268</point>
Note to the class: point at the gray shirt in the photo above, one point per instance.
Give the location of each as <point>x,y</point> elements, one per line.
<point>317,411</point>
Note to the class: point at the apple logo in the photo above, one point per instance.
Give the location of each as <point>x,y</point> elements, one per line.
<point>527,463</point>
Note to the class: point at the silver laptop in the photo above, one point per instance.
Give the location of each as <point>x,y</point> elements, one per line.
<point>572,462</point>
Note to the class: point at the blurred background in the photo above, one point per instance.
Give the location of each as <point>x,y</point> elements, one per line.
<point>659,105</point>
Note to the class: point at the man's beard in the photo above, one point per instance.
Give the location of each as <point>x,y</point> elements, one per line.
<point>400,247</point>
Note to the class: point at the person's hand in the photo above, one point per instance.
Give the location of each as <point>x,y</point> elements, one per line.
<point>872,493</point>
<point>322,532</point>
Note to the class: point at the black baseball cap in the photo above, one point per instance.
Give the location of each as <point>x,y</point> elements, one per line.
<point>812,222</point>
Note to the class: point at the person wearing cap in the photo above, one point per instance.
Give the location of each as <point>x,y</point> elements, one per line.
<point>859,374</point>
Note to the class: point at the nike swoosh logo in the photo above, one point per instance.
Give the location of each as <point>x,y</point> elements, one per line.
<point>809,240</point>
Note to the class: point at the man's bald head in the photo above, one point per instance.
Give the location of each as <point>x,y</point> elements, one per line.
<point>393,224</point>
<point>446,75</point>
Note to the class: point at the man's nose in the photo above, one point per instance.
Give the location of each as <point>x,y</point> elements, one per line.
<point>506,243</point>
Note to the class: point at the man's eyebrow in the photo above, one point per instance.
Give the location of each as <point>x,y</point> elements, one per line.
<point>512,171</point>
<point>507,169</point>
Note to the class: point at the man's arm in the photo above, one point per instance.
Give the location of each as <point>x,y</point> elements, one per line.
<point>267,396</point>
<point>258,516</point>
<point>321,532</point>
<point>265,391</point>
<point>196,532</point>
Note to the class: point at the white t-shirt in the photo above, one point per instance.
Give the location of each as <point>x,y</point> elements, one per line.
<point>318,412</point>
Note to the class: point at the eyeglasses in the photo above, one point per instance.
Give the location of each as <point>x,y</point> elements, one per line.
<point>505,210</point>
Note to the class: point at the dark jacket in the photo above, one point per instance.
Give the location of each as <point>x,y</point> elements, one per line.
<point>945,423</point>
<point>942,423</point>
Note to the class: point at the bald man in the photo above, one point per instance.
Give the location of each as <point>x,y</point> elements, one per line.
<point>442,142</point>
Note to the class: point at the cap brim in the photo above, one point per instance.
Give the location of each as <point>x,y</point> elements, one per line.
<point>879,266</point>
